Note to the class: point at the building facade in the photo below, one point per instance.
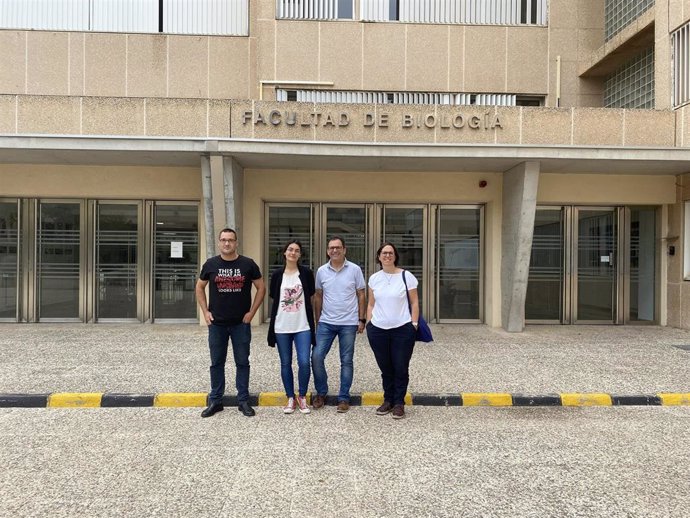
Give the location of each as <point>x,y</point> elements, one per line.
<point>530,158</point>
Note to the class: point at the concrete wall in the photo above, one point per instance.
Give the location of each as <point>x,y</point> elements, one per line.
<point>26,114</point>
<point>124,65</point>
<point>102,182</point>
<point>351,54</point>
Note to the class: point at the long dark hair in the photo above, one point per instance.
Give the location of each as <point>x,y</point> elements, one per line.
<point>292,242</point>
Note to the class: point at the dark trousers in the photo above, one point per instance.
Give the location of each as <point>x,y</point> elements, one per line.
<point>393,351</point>
<point>218,337</point>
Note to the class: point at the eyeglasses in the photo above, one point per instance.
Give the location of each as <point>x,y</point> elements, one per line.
<point>227,240</point>
<point>332,248</point>
<point>387,253</point>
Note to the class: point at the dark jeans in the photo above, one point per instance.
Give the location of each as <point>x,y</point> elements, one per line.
<point>218,337</point>
<point>393,351</point>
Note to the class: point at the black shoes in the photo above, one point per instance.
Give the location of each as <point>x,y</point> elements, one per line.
<point>246,409</point>
<point>212,409</point>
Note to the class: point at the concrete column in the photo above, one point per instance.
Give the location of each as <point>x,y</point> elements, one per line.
<point>221,180</point>
<point>207,207</point>
<point>233,180</point>
<point>519,206</point>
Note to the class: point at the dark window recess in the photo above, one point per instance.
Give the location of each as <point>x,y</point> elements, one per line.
<point>390,98</point>
<point>345,10</point>
<point>526,100</point>
<point>394,9</point>
<point>291,95</point>
<point>160,15</point>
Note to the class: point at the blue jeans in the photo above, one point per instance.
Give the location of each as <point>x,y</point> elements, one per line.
<point>393,351</point>
<point>218,336</point>
<point>325,335</point>
<point>302,342</point>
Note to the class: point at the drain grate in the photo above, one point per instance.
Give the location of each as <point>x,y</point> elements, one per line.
<point>683,347</point>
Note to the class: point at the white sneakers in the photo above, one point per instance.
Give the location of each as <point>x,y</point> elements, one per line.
<point>300,402</point>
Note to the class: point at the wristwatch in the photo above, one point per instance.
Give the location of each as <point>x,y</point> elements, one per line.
<point>363,320</point>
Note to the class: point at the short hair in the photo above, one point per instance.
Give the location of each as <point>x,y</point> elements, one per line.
<point>227,229</point>
<point>395,252</point>
<point>337,238</point>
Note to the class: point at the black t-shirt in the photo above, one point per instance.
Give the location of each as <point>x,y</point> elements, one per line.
<point>229,287</point>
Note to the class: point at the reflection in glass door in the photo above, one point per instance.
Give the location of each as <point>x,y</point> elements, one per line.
<point>350,223</point>
<point>404,227</point>
<point>458,259</point>
<point>59,260</point>
<point>117,230</point>
<point>176,261</point>
<point>642,264</point>
<point>595,265</point>
<point>544,299</point>
<point>9,259</point>
<point>287,222</point>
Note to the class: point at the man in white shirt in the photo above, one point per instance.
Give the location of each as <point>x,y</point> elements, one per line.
<point>340,310</point>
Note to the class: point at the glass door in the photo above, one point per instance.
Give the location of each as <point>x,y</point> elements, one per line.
<point>117,261</point>
<point>351,223</point>
<point>641,265</point>
<point>546,283</point>
<point>175,261</point>
<point>58,260</point>
<point>459,264</point>
<point>595,263</point>
<point>9,259</point>
<point>405,227</point>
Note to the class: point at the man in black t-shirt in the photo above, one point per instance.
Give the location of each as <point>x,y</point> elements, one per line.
<point>229,312</point>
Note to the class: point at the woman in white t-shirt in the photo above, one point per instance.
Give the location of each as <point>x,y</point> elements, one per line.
<point>292,322</point>
<point>392,327</point>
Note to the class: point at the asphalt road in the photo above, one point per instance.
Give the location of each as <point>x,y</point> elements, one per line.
<point>459,462</point>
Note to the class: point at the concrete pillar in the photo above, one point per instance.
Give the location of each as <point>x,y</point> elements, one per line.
<point>208,208</point>
<point>519,206</point>
<point>233,180</point>
<point>221,180</point>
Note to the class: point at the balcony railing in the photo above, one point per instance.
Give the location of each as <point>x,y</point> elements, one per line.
<point>469,12</point>
<point>217,17</point>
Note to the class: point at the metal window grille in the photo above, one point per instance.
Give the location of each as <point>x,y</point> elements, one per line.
<point>222,17</point>
<point>680,45</point>
<point>618,14</point>
<point>313,9</point>
<point>632,85</point>
<point>424,98</point>
<point>469,12</point>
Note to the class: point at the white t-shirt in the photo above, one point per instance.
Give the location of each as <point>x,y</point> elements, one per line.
<point>390,300</point>
<point>292,313</point>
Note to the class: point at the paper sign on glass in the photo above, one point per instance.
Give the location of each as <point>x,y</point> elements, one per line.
<point>176,249</point>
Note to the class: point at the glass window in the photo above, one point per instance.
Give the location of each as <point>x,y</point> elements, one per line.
<point>9,256</point>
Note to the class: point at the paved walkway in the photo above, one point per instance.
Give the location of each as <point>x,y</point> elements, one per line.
<point>543,360</point>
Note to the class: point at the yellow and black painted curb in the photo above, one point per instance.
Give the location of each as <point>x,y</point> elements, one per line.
<point>200,399</point>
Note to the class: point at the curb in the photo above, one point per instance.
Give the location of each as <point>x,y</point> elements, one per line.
<point>266,399</point>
